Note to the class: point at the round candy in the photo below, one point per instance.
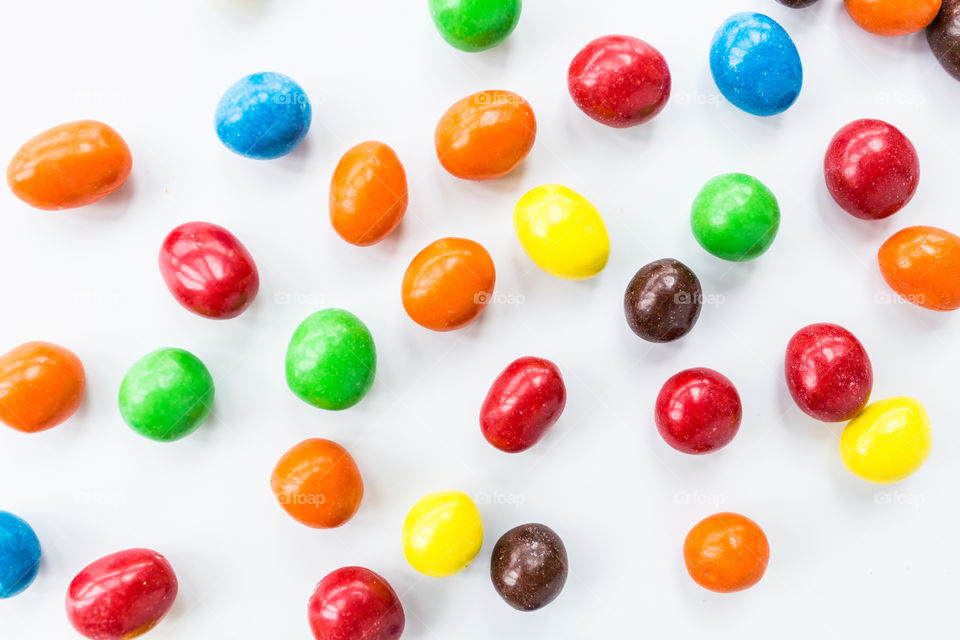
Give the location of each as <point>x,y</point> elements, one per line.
<point>619,80</point>
<point>922,265</point>
<point>828,372</point>
<point>698,411</point>
<point>888,441</point>
<point>735,217</point>
<point>70,165</point>
<point>798,4</point>
<point>943,35</point>
<point>166,394</point>
<point>263,116</point>
<point>871,169</point>
<point>448,284</point>
<point>354,603</point>
<point>317,482</point>
<point>755,64</point>
<point>41,385</point>
<point>524,401</point>
<point>442,534</point>
<point>892,17</point>
<point>208,270</point>
<point>122,595</point>
<point>726,552</point>
<point>19,555</point>
<point>663,301</point>
<point>475,25</point>
<point>485,135</point>
<point>331,360</point>
<point>529,566</point>
<point>368,194</point>
<point>562,232</point>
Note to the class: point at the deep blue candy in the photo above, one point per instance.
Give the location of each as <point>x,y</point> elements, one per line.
<point>19,555</point>
<point>263,116</point>
<point>755,64</point>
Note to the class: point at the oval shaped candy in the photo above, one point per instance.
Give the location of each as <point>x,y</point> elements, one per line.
<point>663,301</point>
<point>368,194</point>
<point>263,116</point>
<point>354,603</point>
<point>71,165</point>
<point>331,360</point>
<point>166,394</point>
<point>698,411</point>
<point>524,401</point>
<point>726,552</point>
<point>529,566</point>
<point>442,534</point>
<point>318,483</point>
<point>485,135</point>
<point>892,17</point>
<point>208,270</point>
<point>888,441</point>
<point>922,264</point>
<point>735,217</point>
<point>798,4</point>
<point>755,64</point>
<point>475,25</point>
<point>943,36</point>
<point>41,385</point>
<point>562,232</point>
<point>19,555</point>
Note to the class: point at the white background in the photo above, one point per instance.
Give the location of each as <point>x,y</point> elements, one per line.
<point>847,557</point>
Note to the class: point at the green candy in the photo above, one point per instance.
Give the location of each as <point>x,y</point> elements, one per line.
<point>475,25</point>
<point>735,217</point>
<point>166,394</point>
<point>331,360</point>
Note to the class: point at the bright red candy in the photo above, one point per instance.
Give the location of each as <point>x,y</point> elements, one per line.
<point>353,603</point>
<point>698,411</point>
<point>620,81</point>
<point>828,372</point>
<point>872,169</point>
<point>122,595</point>
<point>208,270</point>
<point>525,400</point>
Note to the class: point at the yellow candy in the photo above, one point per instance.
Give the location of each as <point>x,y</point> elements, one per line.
<point>562,232</point>
<point>888,441</point>
<point>442,534</point>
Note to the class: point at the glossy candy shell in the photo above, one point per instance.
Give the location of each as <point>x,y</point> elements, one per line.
<point>318,483</point>
<point>19,555</point>
<point>263,116</point>
<point>888,441</point>
<point>663,301</point>
<point>698,411</point>
<point>475,25</point>
<point>368,194</point>
<point>922,264</point>
<point>442,534</point>
<point>943,36</point>
<point>892,17</point>
<point>528,566</point>
<point>354,603</point>
<point>41,385</point>
<point>735,217</point>
<point>726,552</point>
<point>524,401</point>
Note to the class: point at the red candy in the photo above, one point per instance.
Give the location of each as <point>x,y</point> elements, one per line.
<point>698,411</point>
<point>525,400</point>
<point>354,603</point>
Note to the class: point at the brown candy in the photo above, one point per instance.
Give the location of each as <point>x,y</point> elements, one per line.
<point>663,301</point>
<point>943,34</point>
<point>529,566</point>
<point>798,4</point>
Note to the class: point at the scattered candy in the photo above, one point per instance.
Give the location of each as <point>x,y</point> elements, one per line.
<point>943,35</point>
<point>619,81</point>
<point>735,217</point>
<point>922,265</point>
<point>475,25</point>
<point>166,394</point>
<point>888,441</point>
<point>798,4</point>
<point>354,603</point>
<point>368,194</point>
<point>529,566</point>
<point>442,534</point>
<point>19,555</point>
<point>892,17</point>
<point>263,116</point>
<point>524,401</point>
<point>318,483</point>
<point>698,411</point>
<point>726,552</point>
<point>41,385</point>
<point>663,301</point>
<point>70,165</point>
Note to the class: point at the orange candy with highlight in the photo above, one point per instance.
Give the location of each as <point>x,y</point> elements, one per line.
<point>368,194</point>
<point>893,17</point>
<point>922,264</point>
<point>41,385</point>
<point>726,552</point>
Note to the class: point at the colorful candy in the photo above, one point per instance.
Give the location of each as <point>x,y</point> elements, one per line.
<point>698,411</point>
<point>755,64</point>
<point>892,17</point>
<point>524,401</point>
<point>448,284</point>
<point>331,360</point>
<point>663,301</point>
<point>485,135</point>
<point>70,165</point>
<point>619,81</point>
<point>354,603</point>
<point>263,116</point>
<point>797,4</point>
<point>368,194</point>
<point>475,25</point>
<point>41,385</point>
<point>726,552</point>
<point>529,566</point>
<point>943,35</point>
<point>888,441</point>
<point>562,232</point>
<point>19,555</point>
<point>166,394</point>
<point>208,270</point>
<point>922,264</point>
<point>442,534</point>
<point>735,217</point>
<point>121,596</point>
<point>318,483</point>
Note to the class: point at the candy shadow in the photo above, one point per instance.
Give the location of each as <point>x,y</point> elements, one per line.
<point>114,206</point>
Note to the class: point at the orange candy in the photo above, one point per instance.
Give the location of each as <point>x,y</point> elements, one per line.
<point>41,385</point>
<point>71,165</point>
<point>368,194</point>
<point>485,135</point>
<point>922,264</point>
<point>448,284</point>
<point>893,17</point>
<point>317,482</point>
<point>726,552</point>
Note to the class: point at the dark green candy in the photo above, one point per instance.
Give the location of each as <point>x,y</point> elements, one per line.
<point>475,25</point>
<point>735,217</point>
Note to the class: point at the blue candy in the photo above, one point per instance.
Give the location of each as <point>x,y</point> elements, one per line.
<point>19,555</point>
<point>263,116</point>
<point>755,64</point>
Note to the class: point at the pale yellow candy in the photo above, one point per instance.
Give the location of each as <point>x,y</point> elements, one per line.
<point>562,232</point>
<point>888,441</point>
<point>442,534</point>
